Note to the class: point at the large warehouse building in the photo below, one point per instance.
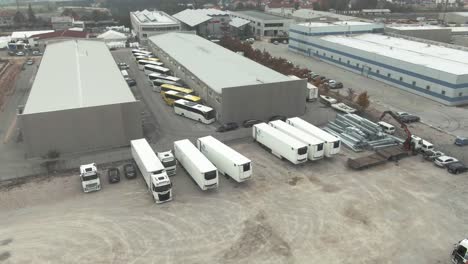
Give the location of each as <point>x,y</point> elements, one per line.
<point>236,87</point>
<point>429,32</point>
<point>435,72</point>
<point>79,102</point>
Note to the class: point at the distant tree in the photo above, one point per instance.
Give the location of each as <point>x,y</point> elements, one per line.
<point>296,5</point>
<point>247,31</point>
<point>363,100</point>
<point>316,6</point>
<point>31,15</point>
<point>19,18</point>
<point>350,94</point>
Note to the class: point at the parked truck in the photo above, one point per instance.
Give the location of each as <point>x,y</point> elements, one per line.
<point>228,161</point>
<point>202,171</point>
<point>332,143</point>
<point>168,161</point>
<point>89,176</point>
<point>152,170</point>
<point>314,144</point>
<point>280,144</point>
<point>312,90</point>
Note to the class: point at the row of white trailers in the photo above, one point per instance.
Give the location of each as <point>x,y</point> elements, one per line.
<point>296,140</point>
<point>210,156</point>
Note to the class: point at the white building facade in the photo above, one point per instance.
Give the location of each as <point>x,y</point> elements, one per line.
<point>434,72</point>
<point>264,24</point>
<point>149,23</point>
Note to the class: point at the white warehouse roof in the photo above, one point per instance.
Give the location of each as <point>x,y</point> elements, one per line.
<point>153,17</point>
<point>415,27</point>
<point>431,56</point>
<point>193,17</point>
<point>238,22</point>
<point>75,74</point>
<point>214,65</point>
<point>336,23</point>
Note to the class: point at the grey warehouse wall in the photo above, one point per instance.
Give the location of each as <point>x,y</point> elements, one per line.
<point>81,129</point>
<point>262,101</point>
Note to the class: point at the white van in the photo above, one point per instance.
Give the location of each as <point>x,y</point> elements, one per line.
<point>124,73</point>
<point>386,127</point>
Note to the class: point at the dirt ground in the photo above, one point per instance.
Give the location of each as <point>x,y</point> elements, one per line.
<point>320,212</point>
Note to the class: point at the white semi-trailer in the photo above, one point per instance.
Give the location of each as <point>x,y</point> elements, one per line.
<point>332,143</point>
<point>203,172</point>
<point>228,161</point>
<point>315,145</point>
<point>280,144</point>
<point>152,171</point>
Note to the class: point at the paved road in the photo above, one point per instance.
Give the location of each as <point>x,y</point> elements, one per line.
<point>450,119</point>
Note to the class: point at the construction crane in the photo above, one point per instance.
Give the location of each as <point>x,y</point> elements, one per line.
<point>407,143</point>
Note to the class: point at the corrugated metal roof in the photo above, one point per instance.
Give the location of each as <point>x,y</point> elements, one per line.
<point>432,56</point>
<point>259,15</point>
<point>193,17</point>
<point>214,65</point>
<point>75,74</point>
<point>238,22</point>
<point>153,17</point>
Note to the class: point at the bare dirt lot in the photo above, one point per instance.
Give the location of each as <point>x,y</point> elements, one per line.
<point>320,212</point>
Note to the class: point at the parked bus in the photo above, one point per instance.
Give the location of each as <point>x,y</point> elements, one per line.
<point>332,143</point>
<point>203,172</point>
<point>315,145</point>
<point>280,144</point>
<point>143,63</point>
<point>169,87</point>
<point>228,161</point>
<point>139,51</point>
<point>201,113</point>
<point>158,69</point>
<point>171,96</point>
<point>139,58</point>
<point>158,82</point>
<point>154,76</point>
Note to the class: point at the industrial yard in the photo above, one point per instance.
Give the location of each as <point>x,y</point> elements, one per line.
<point>395,213</point>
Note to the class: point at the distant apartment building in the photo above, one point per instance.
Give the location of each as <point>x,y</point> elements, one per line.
<point>148,23</point>
<point>65,22</point>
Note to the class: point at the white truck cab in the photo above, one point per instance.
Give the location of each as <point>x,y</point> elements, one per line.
<point>168,161</point>
<point>459,255</point>
<point>421,145</point>
<point>89,178</point>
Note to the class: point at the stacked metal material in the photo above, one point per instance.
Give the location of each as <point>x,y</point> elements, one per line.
<point>359,133</point>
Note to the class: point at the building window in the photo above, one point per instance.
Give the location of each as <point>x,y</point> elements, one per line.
<point>324,54</point>
<point>348,61</point>
<point>357,65</point>
<point>258,23</point>
<point>443,92</point>
<point>401,79</point>
<point>377,71</point>
<point>389,75</point>
<point>460,94</point>
<point>428,87</point>
<point>414,83</point>
<point>145,35</point>
<point>339,59</point>
<point>332,56</point>
<point>316,52</point>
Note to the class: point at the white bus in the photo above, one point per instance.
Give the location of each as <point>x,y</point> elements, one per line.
<point>143,63</point>
<point>139,51</point>
<point>228,161</point>
<point>152,170</point>
<point>197,166</point>
<point>155,69</point>
<point>332,143</point>
<point>154,76</point>
<point>194,111</point>
<point>280,144</point>
<point>316,147</point>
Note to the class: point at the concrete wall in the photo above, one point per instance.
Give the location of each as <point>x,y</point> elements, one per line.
<point>263,101</point>
<point>82,129</point>
<point>441,35</point>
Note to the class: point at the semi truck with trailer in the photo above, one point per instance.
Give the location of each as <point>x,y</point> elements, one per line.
<point>168,161</point>
<point>228,161</point>
<point>280,144</point>
<point>89,176</point>
<point>332,143</point>
<point>202,171</point>
<point>315,145</point>
<point>152,170</point>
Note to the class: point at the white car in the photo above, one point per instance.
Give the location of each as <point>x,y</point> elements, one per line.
<point>19,53</point>
<point>328,100</point>
<point>442,161</point>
